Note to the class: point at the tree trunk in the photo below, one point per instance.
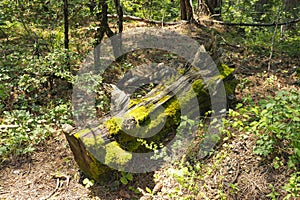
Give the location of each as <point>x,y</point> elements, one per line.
<point>66,24</point>
<point>210,7</point>
<point>153,118</point>
<point>117,44</point>
<point>259,8</point>
<point>289,7</point>
<point>120,15</point>
<point>183,15</point>
<point>186,10</point>
<point>66,40</point>
<point>104,28</point>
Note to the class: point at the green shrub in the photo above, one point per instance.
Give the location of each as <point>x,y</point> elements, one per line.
<point>28,132</point>
<point>157,10</point>
<point>278,128</point>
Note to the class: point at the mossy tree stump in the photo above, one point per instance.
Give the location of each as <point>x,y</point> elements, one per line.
<point>153,117</point>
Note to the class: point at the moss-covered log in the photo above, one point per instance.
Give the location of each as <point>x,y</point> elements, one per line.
<point>153,117</point>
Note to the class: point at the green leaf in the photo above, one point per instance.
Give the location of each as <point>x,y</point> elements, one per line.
<point>129,176</point>
<point>123,180</point>
<point>148,190</point>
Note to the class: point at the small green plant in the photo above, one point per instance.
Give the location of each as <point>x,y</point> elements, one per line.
<point>135,190</point>
<point>273,194</point>
<point>277,162</point>
<point>179,174</point>
<point>293,186</point>
<point>88,183</point>
<point>58,113</point>
<point>149,190</point>
<point>243,83</point>
<point>271,80</point>
<point>5,87</point>
<point>234,188</point>
<point>185,174</point>
<point>125,178</point>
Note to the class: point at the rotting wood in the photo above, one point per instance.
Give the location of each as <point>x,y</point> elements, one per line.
<point>111,142</point>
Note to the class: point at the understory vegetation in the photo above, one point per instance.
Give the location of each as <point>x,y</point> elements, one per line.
<point>273,123</point>
<point>257,155</point>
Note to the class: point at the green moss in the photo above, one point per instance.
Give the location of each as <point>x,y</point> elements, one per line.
<point>81,133</point>
<point>133,145</point>
<point>164,99</point>
<point>114,125</point>
<point>93,140</point>
<point>170,117</point>
<point>98,152</point>
<point>181,71</point>
<point>197,89</point>
<point>139,113</point>
<point>97,169</point>
<point>134,102</point>
<point>197,86</point>
<point>163,124</point>
<point>225,70</point>
<point>115,154</point>
<point>159,120</point>
<point>172,108</point>
<point>84,144</point>
<point>230,87</point>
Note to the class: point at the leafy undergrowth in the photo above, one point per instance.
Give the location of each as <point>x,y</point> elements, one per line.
<point>256,158</point>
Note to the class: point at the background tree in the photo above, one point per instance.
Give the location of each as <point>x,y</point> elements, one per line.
<point>209,7</point>
<point>186,10</point>
<point>100,10</point>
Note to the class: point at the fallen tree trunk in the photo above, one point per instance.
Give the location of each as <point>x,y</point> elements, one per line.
<point>130,138</point>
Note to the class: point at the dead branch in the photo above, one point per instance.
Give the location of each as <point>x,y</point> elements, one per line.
<point>133,18</point>
<point>253,24</point>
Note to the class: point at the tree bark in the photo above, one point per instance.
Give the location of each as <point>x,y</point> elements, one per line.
<point>117,44</point>
<point>66,24</point>
<point>210,7</point>
<point>66,40</point>
<point>120,15</point>
<point>186,10</point>
<point>104,28</point>
<point>290,5</point>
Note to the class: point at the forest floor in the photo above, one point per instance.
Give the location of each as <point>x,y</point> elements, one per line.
<point>52,173</point>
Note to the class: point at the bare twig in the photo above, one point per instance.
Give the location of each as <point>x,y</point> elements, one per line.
<point>29,168</point>
<point>54,191</point>
<point>236,174</point>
